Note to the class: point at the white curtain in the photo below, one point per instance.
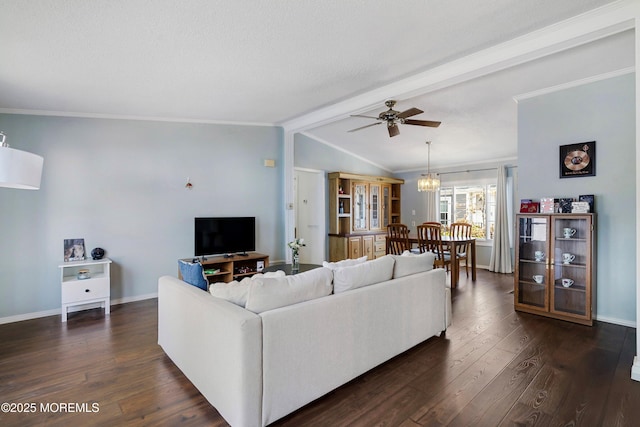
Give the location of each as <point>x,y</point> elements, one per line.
<point>501,249</point>
<point>433,206</point>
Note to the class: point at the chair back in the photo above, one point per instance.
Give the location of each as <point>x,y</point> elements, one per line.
<point>430,240</point>
<point>460,230</point>
<point>397,239</point>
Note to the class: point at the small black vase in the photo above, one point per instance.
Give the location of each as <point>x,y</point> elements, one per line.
<point>97,253</point>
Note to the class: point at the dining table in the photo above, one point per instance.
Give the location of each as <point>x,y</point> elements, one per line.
<point>453,243</point>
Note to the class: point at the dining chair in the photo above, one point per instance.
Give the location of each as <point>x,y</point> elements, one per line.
<point>430,240</point>
<point>461,230</point>
<point>397,239</point>
<point>445,244</point>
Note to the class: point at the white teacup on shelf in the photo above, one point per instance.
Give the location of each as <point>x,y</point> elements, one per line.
<point>538,278</point>
<point>567,258</point>
<point>539,255</point>
<point>567,282</point>
<point>568,232</point>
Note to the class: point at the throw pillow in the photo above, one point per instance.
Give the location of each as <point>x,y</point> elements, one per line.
<point>409,263</point>
<point>193,274</point>
<point>344,263</point>
<point>269,274</point>
<point>368,273</point>
<point>270,293</point>
<point>236,292</point>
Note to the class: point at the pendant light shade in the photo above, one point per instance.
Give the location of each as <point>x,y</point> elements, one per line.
<point>429,181</point>
<point>19,169</point>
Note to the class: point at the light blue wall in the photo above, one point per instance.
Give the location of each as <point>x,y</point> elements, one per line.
<point>604,112</point>
<point>120,185</point>
<point>311,154</point>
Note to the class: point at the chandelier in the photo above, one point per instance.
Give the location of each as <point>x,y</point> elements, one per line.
<point>429,181</point>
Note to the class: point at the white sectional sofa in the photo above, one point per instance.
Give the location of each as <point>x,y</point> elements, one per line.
<point>255,368</point>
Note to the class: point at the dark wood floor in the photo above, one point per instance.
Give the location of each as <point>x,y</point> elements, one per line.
<point>494,367</point>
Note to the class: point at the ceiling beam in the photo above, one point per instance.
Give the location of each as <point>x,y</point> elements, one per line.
<point>581,29</point>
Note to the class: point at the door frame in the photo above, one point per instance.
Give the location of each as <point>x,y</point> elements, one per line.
<point>322,232</point>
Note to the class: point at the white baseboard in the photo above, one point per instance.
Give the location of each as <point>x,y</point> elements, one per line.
<point>58,311</point>
<point>635,369</point>
<point>615,321</point>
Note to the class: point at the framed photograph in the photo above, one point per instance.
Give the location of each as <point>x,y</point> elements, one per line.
<point>74,250</point>
<point>577,160</point>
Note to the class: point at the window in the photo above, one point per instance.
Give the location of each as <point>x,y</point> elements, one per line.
<point>474,204</point>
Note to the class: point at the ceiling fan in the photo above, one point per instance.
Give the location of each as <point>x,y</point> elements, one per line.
<point>392,117</point>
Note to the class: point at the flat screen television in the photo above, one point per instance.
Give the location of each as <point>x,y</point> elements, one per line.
<point>224,235</point>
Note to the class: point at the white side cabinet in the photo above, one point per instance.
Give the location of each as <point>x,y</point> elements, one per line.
<point>94,289</point>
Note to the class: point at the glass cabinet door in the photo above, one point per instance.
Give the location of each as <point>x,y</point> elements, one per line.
<point>532,258</point>
<point>359,207</point>
<point>375,207</point>
<point>571,265</point>
<point>386,205</point>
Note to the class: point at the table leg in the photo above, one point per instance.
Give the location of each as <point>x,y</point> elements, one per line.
<point>454,265</point>
<point>473,260</point>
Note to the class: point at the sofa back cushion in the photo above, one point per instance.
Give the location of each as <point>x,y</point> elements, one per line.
<point>365,274</point>
<point>410,263</point>
<point>269,293</point>
<point>236,292</point>
<point>344,263</point>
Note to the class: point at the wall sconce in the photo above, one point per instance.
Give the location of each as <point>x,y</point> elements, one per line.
<point>19,169</point>
<point>188,185</point>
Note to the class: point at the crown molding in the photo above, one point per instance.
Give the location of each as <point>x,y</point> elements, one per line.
<point>28,112</point>
<point>580,82</point>
<point>335,147</point>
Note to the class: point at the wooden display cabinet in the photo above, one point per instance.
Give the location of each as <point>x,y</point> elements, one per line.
<point>560,283</point>
<point>226,269</point>
<point>360,209</point>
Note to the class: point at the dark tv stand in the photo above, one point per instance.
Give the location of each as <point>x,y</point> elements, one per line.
<point>243,254</point>
<point>232,268</point>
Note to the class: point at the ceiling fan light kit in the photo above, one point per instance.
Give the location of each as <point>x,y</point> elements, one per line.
<point>428,182</point>
<point>392,117</point>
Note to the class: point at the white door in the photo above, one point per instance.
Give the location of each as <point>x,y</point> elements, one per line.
<point>310,214</point>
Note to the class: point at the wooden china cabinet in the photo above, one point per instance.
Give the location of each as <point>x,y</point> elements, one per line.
<point>360,209</point>
<point>555,259</point>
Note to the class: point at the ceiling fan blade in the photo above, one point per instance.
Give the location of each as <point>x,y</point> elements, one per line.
<point>422,123</point>
<point>410,112</point>
<point>393,130</point>
<point>360,115</point>
<point>363,127</point>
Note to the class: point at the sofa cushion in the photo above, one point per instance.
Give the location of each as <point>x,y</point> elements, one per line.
<point>193,274</point>
<point>269,293</point>
<point>344,263</point>
<point>236,292</point>
<point>368,273</point>
<point>410,263</point>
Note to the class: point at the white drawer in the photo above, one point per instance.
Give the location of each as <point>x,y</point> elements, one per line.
<point>81,290</point>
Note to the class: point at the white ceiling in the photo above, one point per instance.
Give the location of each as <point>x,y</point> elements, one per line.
<point>270,62</point>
